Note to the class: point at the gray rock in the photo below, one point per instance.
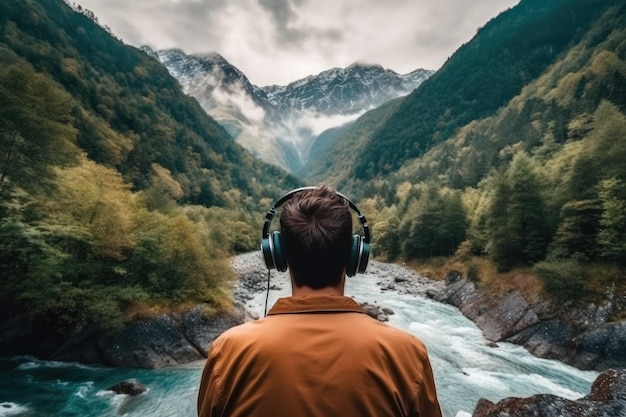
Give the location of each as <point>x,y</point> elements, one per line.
<point>201,330</point>
<point>508,317</point>
<point>81,346</point>
<point>551,339</point>
<point>575,334</point>
<point>459,293</point>
<point>375,311</point>
<point>601,348</point>
<point>153,343</point>
<point>452,277</point>
<point>606,399</point>
<point>388,311</point>
<point>130,387</point>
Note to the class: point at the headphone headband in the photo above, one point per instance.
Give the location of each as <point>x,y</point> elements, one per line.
<point>272,211</point>
<point>271,247</point>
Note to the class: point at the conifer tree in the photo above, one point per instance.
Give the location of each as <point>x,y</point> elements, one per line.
<point>517,216</point>
<point>35,133</point>
<point>613,220</point>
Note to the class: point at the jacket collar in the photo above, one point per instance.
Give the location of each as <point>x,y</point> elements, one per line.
<point>316,304</point>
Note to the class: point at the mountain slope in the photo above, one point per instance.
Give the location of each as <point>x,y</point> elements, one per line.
<point>554,111</point>
<point>539,184</point>
<point>343,90</point>
<point>508,52</point>
<point>336,150</point>
<point>278,123</point>
<point>131,113</point>
<point>119,195</point>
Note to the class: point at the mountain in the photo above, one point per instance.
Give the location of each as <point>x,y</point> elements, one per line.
<point>343,91</point>
<point>278,123</point>
<point>506,54</point>
<point>534,184</point>
<point>480,77</point>
<point>117,191</point>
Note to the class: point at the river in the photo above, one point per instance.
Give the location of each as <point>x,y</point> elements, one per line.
<point>465,367</point>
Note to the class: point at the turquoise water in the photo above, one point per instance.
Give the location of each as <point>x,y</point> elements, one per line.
<point>30,387</point>
<point>465,368</point>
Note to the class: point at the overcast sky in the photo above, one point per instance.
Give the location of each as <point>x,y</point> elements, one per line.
<point>279,41</point>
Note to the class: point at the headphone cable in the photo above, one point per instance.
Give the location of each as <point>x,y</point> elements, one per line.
<point>267,294</point>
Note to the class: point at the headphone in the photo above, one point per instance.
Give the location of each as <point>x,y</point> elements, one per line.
<point>272,248</point>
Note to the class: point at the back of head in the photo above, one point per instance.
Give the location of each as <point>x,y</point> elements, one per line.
<point>316,231</point>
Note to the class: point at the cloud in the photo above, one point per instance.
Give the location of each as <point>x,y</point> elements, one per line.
<point>279,41</point>
<point>317,123</point>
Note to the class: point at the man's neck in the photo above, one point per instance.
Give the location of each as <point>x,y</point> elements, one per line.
<point>306,291</point>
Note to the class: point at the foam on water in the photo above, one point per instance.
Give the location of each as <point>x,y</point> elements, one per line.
<point>111,396</point>
<point>36,363</point>
<point>11,409</point>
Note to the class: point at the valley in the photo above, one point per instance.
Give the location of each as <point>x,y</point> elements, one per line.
<point>130,178</point>
<point>279,124</point>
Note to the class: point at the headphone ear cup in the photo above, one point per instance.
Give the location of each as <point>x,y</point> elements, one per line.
<point>268,253</point>
<point>279,256</point>
<point>355,254</point>
<point>364,257</point>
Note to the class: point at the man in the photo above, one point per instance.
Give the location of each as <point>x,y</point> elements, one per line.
<point>317,353</point>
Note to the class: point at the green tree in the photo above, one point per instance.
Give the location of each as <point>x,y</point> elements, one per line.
<point>517,217</point>
<point>612,235</point>
<point>500,240</point>
<point>96,199</point>
<point>434,223</point>
<point>577,231</point>
<point>35,129</point>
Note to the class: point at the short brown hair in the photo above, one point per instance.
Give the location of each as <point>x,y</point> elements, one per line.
<point>316,234</point>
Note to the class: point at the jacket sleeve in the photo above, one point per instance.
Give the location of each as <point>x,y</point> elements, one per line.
<point>427,404</point>
<point>209,404</point>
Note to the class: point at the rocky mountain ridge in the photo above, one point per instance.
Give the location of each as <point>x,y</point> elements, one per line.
<point>343,90</point>
<point>278,123</point>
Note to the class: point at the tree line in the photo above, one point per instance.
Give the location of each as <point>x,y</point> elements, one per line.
<point>117,191</point>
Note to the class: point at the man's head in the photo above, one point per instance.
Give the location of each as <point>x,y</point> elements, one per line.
<point>316,232</point>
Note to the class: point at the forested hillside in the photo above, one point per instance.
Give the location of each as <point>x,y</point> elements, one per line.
<point>507,53</point>
<point>482,76</point>
<point>540,183</point>
<point>116,189</point>
<point>336,151</point>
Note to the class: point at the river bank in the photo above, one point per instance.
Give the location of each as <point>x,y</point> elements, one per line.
<point>467,367</point>
<point>580,336</point>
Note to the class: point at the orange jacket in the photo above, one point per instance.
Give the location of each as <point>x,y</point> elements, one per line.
<point>317,356</point>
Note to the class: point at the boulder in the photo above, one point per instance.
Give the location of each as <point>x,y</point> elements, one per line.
<point>606,399</point>
<point>452,277</point>
<point>459,292</point>
<point>577,334</point>
<point>157,342</point>
<point>550,339</point>
<point>82,346</point>
<point>375,311</point>
<point>509,316</point>
<point>130,387</point>
<point>601,348</point>
<point>201,329</point>
<point>153,343</point>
